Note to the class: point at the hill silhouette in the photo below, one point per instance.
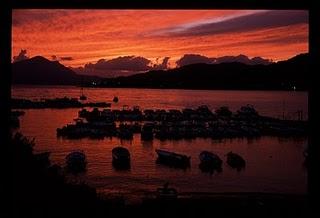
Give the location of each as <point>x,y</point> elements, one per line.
<point>283,75</point>
<point>39,70</point>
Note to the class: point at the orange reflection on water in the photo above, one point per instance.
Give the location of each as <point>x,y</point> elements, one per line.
<point>273,164</point>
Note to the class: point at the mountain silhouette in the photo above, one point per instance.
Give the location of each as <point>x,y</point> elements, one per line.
<point>39,70</point>
<point>283,75</point>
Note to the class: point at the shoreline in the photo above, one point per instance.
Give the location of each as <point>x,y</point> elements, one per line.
<point>136,199</point>
<point>152,88</point>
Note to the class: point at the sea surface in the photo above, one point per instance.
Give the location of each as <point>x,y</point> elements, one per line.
<point>273,164</point>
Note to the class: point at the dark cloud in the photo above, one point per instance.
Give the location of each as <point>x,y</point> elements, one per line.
<point>260,20</point>
<point>164,65</point>
<point>273,41</point>
<point>228,59</point>
<point>21,56</point>
<point>128,65</point>
<point>55,58</point>
<point>125,63</point>
<point>242,59</point>
<point>193,59</point>
<point>121,66</point>
<point>66,58</point>
<point>21,17</point>
<point>283,40</point>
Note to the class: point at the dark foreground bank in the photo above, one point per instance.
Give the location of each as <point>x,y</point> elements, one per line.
<point>42,190</point>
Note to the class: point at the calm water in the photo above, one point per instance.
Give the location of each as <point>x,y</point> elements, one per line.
<point>270,103</point>
<point>273,164</point>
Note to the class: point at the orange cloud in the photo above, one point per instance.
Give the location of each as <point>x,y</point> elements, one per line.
<point>90,35</point>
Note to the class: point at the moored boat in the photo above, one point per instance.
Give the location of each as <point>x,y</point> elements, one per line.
<point>125,132</point>
<point>235,161</point>
<point>115,99</point>
<point>76,161</point>
<point>209,161</point>
<point>82,96</point>
<point>174,159</point>
<point>120,157</point>
<point>147,131</point>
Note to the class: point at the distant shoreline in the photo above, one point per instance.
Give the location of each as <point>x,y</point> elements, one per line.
<point>157,88</point>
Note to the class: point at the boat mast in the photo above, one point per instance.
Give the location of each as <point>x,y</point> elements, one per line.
<point>81,85</point>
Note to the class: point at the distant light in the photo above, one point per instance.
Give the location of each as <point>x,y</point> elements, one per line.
<point>294,88</point>
<point>94,83</point>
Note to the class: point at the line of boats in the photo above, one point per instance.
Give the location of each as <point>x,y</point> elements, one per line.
<point>209,162</point>
<point>136,114</point>
<point>175,124</point>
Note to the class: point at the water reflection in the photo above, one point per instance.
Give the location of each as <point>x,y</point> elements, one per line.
<point>147,144</point>
<point>121,166</point>
<point>263,156</point>
<point>267,103</point>
<point>209,169</point>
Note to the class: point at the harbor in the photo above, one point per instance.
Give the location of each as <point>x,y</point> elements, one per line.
<point>191,112</point>
<point>140,130</point>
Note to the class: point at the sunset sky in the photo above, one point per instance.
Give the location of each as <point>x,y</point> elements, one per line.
<point>79,37</point>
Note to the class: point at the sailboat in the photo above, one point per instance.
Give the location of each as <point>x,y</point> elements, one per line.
<point>82,96</point>
<point>115,99</point>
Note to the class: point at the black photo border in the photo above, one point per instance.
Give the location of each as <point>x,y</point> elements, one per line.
<point>314,48</point>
